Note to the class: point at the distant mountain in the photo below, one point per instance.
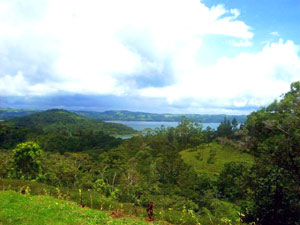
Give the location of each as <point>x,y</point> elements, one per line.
<point>7,113</point>
<point>142,116</point>
<point>131,116</point>
<point>61,120</point>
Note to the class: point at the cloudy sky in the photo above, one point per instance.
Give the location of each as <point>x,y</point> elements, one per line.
<point>177,56</point>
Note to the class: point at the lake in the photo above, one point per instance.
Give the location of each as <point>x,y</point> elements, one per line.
<point>141,125</point>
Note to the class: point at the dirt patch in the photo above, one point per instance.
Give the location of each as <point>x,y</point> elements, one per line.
<point>117,214</point>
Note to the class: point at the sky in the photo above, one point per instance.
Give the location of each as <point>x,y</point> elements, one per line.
<point>162,56</point>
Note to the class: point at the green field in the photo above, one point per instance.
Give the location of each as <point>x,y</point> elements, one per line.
<point>199,157</point>
<point>29,209</point>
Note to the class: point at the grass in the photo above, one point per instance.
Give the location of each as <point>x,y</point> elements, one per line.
<point>64,205</point>
<point>29,209</point>
<point>211,158</point>
<point>92,199</point>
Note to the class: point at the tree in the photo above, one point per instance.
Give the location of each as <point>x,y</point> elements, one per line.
<point>232,180</point>
<point>25,160</point>
<point>274,139</point>
<point>209,135</point>
<point>225,128</point>
<point>235,124</point>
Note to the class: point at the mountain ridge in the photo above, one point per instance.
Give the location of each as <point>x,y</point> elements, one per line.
<point>126,115</point>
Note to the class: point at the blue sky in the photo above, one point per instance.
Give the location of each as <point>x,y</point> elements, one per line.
<point>171,56</point>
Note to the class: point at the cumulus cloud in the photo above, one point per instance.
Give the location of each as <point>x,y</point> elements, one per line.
<point>106,46</point>
<point>137,48</point>
<point>244,43</point>
<point>246,80</point>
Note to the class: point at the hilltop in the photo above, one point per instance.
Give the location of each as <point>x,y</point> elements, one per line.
<point>59,119</point>
<point>60,130</point>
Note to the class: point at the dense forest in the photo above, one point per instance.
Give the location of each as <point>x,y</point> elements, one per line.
<point>62,131</point>
<point>247,174</point>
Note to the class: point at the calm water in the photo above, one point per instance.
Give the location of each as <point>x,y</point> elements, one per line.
<point>141,125</point>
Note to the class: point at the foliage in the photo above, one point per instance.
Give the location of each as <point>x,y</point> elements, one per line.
<point>273,137</point>
<point>27,209</point>
<point>224,154</point>
<point>6,162</point>
<point>59,130</point>
<point>61,120</point>
<point>25,160</point>
<point>232,182</point>
<point>169,166</point>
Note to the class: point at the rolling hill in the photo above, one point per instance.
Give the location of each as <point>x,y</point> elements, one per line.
<point>62,131</point>
<point>211,159</point>
<point>57,120</point>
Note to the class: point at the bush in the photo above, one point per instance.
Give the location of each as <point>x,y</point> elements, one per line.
<point>25,160</point>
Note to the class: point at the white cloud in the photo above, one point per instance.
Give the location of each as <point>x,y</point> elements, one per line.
<point>17,85</point>
<point>103,47</point>
<point>244,43</point>
<point>87,39</point>
<point>275,33</point>
<point>246,80</point>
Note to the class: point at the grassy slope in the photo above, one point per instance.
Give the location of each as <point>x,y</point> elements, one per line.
<point>224,154</point>
<point>26,209</point>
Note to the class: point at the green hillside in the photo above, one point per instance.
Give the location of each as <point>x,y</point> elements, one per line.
<point>62,131</point>
<point>27,209</point>
<point>58,119</point>
<point>212,158</point>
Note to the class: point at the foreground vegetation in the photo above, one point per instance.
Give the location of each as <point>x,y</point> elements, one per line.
<point>29,209</point>
<point>234,175</point>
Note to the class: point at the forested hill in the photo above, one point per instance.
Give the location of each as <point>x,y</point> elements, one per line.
<point>61,131</point>
<point>61,120</point>
<point>142,116</point>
